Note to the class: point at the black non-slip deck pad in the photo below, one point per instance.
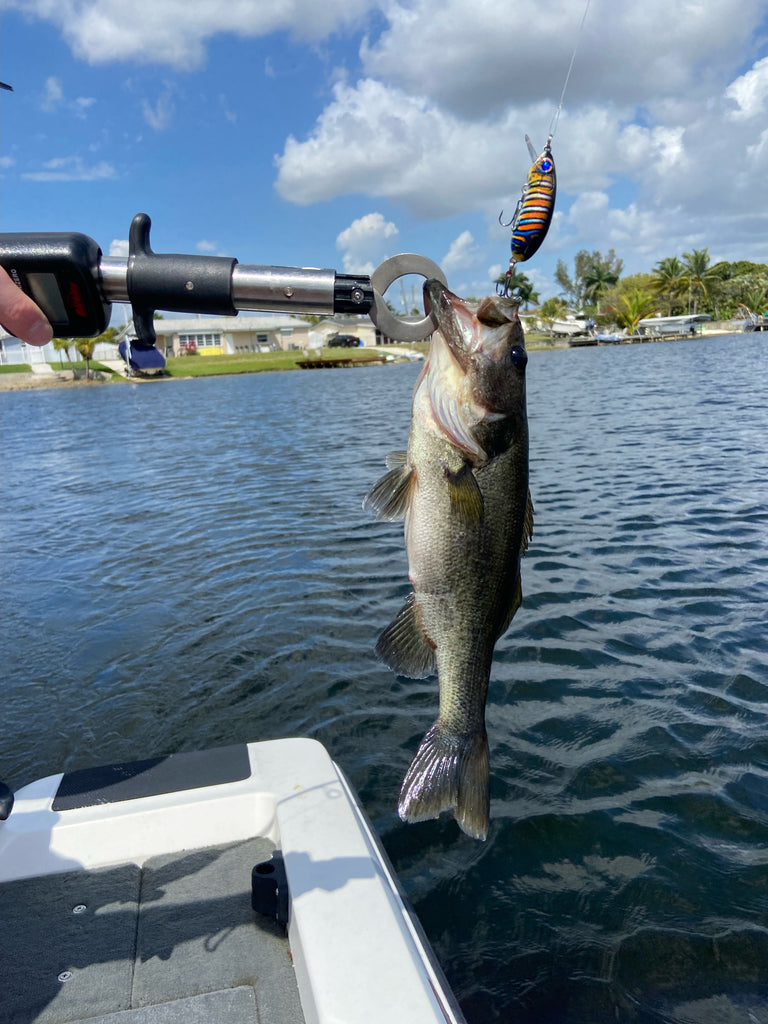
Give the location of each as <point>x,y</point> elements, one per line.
<point>172,774</point>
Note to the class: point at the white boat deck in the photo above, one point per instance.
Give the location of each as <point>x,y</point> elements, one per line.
<point>174,940</point>
<point>160,854</point>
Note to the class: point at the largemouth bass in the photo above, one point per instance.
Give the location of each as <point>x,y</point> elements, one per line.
<point>462,487</point>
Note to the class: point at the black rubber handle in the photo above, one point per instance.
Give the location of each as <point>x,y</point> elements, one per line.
<point>171,281</point>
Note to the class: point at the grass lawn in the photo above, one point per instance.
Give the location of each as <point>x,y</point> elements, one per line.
<point>253,362</point>
<point>16,368</point>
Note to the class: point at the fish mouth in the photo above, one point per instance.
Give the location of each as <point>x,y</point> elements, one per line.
<point>455,320</point>
<point>442,303</point>
<point>458,320</point>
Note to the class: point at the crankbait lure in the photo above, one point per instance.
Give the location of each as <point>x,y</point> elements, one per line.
<point>534,210</point>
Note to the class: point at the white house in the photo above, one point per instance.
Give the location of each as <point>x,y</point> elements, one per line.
<point>228,335</point>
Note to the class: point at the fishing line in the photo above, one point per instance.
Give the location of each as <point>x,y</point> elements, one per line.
<point>533,213</point>
<point>556,115</point>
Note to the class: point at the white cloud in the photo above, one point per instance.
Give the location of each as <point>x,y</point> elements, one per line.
<point>176,32</point>
<point>474,61</point>
<point>229,113</point>
<point>205,246</point>
<point>71,168</point>
<point>759,150</point>
<point>365,243</point>
<point>158,116</point>
<point>83,103</point>
<point>750,92</point>
<point>6,162</point>
<point>54,99</point>
<point>462,253</point>
<point>118,247</point>
<point>383,142</point>
<point>661,144</point>
<point>54,94</point>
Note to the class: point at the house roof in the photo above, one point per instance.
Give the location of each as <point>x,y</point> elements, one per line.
<point>257,322</point>
<point>230,324</point>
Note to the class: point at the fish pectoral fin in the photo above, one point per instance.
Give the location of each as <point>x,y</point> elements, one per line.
<point>396,460</point>
<point>466,497</point>
<point>527,525</point>
<point>405,646</point>
<point>389,498</point>
<point>449,772</point>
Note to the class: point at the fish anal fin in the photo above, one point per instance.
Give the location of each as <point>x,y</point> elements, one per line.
<point>389,498</point>
<point>450,772</point>
<point>466,497</point>
<point>405,646</point>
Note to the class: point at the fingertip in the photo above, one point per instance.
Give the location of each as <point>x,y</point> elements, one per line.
<point>39,333</point>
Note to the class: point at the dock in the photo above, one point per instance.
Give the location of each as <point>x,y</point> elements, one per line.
<point>331,364</point>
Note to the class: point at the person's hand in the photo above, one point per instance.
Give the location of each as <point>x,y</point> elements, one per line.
<point>20,316</point>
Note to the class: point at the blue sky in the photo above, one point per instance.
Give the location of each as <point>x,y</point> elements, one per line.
<point>335,134</point>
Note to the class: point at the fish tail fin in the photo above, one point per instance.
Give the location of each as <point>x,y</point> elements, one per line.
<point>449,772</point>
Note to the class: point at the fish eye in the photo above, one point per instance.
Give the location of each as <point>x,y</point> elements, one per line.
<point>546,165</point>
<point>519,357</point>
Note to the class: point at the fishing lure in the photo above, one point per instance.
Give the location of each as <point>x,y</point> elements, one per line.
<point>534,210</point>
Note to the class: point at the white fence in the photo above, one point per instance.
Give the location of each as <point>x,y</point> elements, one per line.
<point>14,352</point>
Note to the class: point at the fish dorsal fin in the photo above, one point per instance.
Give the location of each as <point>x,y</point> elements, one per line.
<point>517,600</point>
<point>389,498</point>
<point>404,644</point>
<point>527,525</point>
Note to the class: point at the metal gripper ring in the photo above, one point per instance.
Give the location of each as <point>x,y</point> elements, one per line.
<point>390,270</point>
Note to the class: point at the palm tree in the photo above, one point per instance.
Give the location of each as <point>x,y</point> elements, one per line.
<point>85,347</point>
<point>549,311</point>
<point>527,294</point>
<point>519,286</point>
<point>598,279</point>
<point>632,307</point>
<point>697,275</point>
<point>63,345</point>
<point>669,279</point>
<point>756,299</point>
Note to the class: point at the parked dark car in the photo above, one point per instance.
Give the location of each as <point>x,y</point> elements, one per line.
<point>344,341</point>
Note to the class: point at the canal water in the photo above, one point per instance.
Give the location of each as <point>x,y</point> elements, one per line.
<point>186,564</point>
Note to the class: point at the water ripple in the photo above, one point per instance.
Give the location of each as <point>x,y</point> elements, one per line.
<point>188,564</point>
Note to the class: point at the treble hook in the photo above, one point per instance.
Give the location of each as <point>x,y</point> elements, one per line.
<point>502,290</point>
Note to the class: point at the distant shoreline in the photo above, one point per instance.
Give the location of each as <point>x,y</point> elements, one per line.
<point>23,381</point>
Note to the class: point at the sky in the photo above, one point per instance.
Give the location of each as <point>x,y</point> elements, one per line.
<point>336,133</point>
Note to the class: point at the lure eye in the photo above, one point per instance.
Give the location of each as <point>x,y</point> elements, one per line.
<point>519,357</point>
<point>546,165</point>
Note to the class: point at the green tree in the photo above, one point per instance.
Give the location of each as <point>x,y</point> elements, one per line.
<point>519,286</point>
<point>597,280</point>
<point>697,275</point>
<point>669,280</point>
<point>632,307</point>
<point>567,283</point>
<point>549,311</point>
<point>86,347</point>
<point>756,300</point>
<point>63,345</point>
<point>593,274</point>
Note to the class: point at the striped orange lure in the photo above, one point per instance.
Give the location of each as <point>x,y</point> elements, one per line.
<point>535,207</point>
